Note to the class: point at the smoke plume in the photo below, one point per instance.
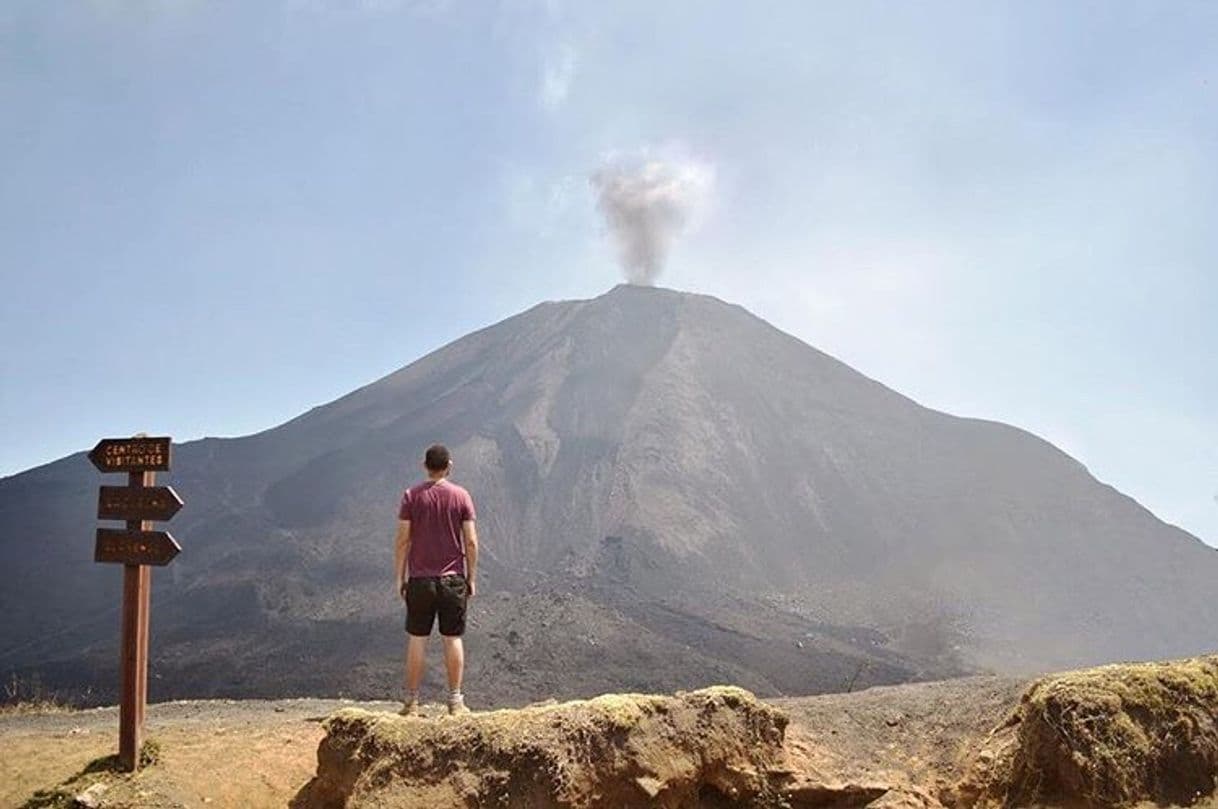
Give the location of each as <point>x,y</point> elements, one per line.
<point>646,205</point>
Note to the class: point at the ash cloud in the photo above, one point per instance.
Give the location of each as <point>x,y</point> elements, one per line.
<point>647,204</point>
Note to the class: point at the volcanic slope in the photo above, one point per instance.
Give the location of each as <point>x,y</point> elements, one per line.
<point>671,493</point>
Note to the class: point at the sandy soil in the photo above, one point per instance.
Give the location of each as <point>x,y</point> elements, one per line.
<point>215,754</point>
<point>912,734</point>
<point>260,753</point>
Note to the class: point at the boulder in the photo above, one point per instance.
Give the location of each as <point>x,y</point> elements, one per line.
<point>1108,736</point>
<point>706,748</point>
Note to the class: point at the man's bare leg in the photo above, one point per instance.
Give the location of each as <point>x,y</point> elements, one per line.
<point>454,661</point>
<point>416,659</point>
<point>454,665</point>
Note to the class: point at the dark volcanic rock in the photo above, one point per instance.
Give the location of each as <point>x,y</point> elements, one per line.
<point>671,493</point>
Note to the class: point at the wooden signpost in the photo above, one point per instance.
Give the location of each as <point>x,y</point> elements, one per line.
<point>138,503</point>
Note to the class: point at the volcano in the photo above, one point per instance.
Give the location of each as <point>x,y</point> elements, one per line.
<point>671,493</point>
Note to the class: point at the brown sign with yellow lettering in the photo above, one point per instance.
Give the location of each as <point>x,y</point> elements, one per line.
<point>158,503</point>
<point>131,454</point>
<point>135,547</point>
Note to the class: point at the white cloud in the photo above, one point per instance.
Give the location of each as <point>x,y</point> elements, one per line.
<point>557,75</point>
<point>422,8</point>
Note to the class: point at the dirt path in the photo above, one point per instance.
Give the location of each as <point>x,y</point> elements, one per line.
<point>212,754</point>
<point>912,734</point>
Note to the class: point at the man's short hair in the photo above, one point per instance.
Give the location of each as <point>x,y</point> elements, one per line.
<point>437,458</point>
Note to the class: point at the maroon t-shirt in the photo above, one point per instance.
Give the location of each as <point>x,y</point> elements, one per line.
<point>436,510</point>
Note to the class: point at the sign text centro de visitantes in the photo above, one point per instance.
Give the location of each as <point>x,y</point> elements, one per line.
<point>131,454</point>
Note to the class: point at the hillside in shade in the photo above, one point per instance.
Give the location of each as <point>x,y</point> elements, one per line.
<point>671,493</point>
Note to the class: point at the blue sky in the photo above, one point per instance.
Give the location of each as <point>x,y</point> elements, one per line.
<point>216,215</point>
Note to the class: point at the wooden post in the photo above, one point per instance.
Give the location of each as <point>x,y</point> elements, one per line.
<point>137,587</point>
<point>140,503</point>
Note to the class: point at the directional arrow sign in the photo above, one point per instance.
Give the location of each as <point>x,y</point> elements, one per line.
<point>131,454</point>
<point>158,503</point>
<point>135,547</point>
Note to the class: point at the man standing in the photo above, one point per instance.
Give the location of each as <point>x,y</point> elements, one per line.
<point>436,561</point>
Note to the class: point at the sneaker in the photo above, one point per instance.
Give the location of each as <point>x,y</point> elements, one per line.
<point>456,705</point>
<point>410,708</point>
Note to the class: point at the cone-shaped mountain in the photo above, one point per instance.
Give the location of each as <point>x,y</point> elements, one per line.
<point>671,492</point>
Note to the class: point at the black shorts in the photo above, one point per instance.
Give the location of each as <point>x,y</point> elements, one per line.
<point>428,597</point>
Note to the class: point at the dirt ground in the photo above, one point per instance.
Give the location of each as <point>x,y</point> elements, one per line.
<point>260,753</point>
<point>914,734</point>
<point>213,754</point>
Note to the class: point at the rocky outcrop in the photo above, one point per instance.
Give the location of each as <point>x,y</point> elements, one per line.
<point>1116,735</point>
<point>1109,736</point>
<point>713,747</point>
<point>1136,734</point>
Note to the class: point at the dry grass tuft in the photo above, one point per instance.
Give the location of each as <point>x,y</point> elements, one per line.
<point>1108,736</point>
<point>30,696</point>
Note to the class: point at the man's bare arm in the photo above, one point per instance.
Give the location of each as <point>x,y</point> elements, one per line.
<point>401,553</point>
<point>470,532</point>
